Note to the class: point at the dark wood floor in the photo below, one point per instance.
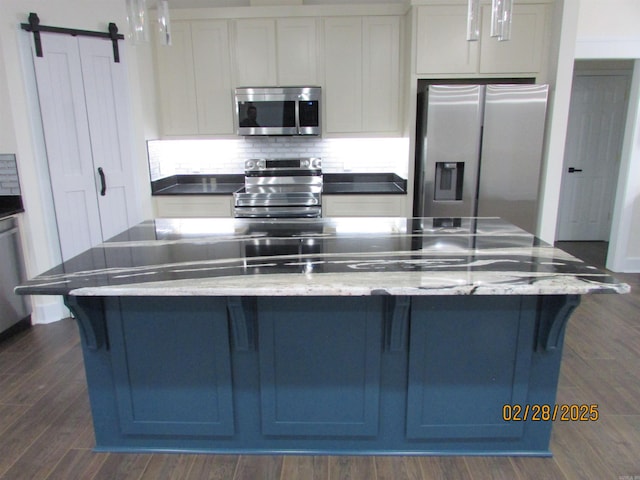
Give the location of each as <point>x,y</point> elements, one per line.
<point>46,432</point>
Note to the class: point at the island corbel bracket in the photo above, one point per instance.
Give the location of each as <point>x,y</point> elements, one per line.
<point>89,313</point>
<point>554,318</point>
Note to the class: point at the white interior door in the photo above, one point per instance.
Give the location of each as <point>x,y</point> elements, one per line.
<point>592,156</point>
<point>107,103</point>
<point>87,126</point>
<point>67,139</point>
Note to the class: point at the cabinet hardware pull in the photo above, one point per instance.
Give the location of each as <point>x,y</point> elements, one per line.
<point>574,170</point>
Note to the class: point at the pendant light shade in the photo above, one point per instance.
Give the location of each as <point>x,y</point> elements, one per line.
<point>164,23</point>
<point>138,19</point>
<point>501,15</point>
<point>507,15</point>
<point>473,20</point>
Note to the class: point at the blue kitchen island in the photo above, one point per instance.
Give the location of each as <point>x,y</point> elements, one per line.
<point>325,336</point>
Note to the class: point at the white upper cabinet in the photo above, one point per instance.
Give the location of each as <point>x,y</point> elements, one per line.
<point>362,74</point>
<point>276,52</point>
<point>442,48</point>
<point>195,79</point>
<point>256,52</point>
<point>176,82</point>
<point>441,38</point>
<point>381,74</point>
<point>343,74</point>
<point>297,48</point>
<point>523,52</point>
<point>213,76</point>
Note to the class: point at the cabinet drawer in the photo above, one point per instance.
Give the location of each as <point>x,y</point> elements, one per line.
<point>363,205</point>
<point>193,206</point>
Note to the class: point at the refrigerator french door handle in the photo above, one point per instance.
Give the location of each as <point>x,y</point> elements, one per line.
<point>103,182</point>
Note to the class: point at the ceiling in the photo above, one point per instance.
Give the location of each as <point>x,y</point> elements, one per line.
<point>245,3</point>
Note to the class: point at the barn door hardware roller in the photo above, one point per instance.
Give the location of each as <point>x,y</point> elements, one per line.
<point>35,27</point>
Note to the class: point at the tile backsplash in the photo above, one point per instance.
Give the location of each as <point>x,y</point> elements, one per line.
<point>9,184</point>
<point>175,157</point>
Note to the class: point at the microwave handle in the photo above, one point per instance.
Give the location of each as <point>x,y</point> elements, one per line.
<point>297,113</point>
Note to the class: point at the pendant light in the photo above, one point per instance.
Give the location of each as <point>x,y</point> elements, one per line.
<point>473,20</point>
<point>501,17</point>
<point>139,21</point>
<point>137,18</point>
<point>164,24</point>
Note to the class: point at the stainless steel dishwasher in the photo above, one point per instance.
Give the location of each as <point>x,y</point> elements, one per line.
<point>13,308</point>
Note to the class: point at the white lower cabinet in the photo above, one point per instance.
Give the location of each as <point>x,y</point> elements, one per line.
<point>363,205</point>
<point>193,206</point>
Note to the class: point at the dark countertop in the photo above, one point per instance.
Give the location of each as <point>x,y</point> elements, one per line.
<point>363,184</point>
<point>197,185</point>
<point>333,183</point>
<point>327,256</point>
<point>10,205</point>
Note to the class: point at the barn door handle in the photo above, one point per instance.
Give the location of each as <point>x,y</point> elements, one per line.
<point>574,170</point>
<point>103,182</point>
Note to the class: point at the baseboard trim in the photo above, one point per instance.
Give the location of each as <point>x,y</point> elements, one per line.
<point>48,309</point>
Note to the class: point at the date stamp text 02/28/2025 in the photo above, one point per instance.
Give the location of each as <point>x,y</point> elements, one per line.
<point>545,413</point>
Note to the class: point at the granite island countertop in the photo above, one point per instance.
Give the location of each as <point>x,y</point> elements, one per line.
<point>328,256</point>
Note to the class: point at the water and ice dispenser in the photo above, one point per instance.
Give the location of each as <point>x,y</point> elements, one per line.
<point>448,181</point>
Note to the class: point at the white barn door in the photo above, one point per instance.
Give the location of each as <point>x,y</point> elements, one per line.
<point>108,114</point>
<point>86,122</point>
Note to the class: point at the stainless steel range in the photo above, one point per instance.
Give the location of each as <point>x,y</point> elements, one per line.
<point>283,187</point>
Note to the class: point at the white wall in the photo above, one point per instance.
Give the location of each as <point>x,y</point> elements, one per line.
<point>624,246</point>
<point>609,29</point>
<point>597,29</point>
<point>563,41</point>
<point>21,131</point>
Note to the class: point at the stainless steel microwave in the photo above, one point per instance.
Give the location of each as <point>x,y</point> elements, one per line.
<point>278,110</point>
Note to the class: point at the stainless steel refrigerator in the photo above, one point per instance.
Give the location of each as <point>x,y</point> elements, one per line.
<point>479,150</point>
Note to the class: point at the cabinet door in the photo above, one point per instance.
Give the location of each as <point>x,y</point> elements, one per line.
<point>176,81</point>
<point>171,365</point>
<point>381,74</point>
<point>320,368</point>
<point>212,69</point>
<point>523,52</point>
<point>256,52</point>
<point>297,51</point>
<point>467,358</point>
<point>343,70</point>
<point>442,46</point>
